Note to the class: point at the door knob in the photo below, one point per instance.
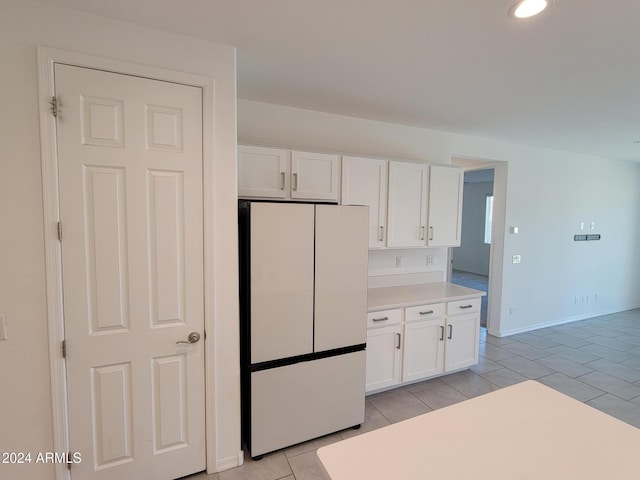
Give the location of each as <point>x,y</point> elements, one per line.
<point>193,337</point>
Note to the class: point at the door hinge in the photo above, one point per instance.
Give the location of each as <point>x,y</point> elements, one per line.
<point>64,349</point>
<point>60,231</point>
<point>53,106</point>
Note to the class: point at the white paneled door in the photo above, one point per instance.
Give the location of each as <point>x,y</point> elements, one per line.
<point>130,177</point>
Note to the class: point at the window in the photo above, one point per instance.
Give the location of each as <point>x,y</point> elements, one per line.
<point>488,218</point>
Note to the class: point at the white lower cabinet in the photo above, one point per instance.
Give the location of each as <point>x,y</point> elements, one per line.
<point>424,341</point>
<point>462,341</point>
<point>384,347</point>
<point>423,349</point>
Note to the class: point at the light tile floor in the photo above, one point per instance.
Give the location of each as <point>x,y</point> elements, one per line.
<point>596,361</point>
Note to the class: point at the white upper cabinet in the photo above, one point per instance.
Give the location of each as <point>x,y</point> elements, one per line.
<point>265,172</point>
<point>407,217</point>
<point>364,182</point>
<point>445,206</point>
<point>410,204</point>
<point>314,176</point>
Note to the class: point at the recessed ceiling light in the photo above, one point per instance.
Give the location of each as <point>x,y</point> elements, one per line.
<point>528,8</point>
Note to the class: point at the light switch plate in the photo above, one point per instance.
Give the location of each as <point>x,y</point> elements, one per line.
<point>3,328</point>
<point>517,259</point>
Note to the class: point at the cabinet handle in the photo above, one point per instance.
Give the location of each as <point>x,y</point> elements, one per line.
<point>295,181</point>
<point>422,233</point>
<point>441,333</point>
<point>430,233</point>
<point>383,319</point>
<point>381,233</point>
<point>428,312</point>
<point>450,332</point>
<point>466,306</point>
<point>281,180</point>
<point>398,338</point>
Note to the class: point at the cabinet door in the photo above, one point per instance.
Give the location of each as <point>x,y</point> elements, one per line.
<point>364,182</point>
<point>423,349</point>
<point>407,217</point>
<point>340,276</point>
<point>445,206</point>
<point>263,172</point>
<point>314,176</point>
<point>383,357</point>
<point>462,341</point>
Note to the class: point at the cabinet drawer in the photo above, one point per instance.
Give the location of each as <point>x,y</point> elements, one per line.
<point>384,317</point>
<point>423,312</point>
<point>463,306</point>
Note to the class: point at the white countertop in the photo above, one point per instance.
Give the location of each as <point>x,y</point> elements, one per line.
<point>420,294</point>
<point>526,431</point>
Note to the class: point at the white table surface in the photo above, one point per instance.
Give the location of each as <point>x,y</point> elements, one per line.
<point>524,432</point>
<point>420,294</point>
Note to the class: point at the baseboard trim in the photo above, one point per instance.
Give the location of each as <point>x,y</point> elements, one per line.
<point>230,462</point>
<point>554,323</point>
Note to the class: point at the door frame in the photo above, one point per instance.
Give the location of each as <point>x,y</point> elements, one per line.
<point>47,57</point>
<point>498,231</point>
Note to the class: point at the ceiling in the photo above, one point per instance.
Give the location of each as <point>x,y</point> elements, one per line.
<point>568,79</point>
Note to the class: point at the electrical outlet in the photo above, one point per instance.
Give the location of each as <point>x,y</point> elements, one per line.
<point>431,259</point>
<point>517,258</point>
<point>398,261</point>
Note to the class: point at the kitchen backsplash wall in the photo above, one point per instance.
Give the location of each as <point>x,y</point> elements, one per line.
<point>390,267</point>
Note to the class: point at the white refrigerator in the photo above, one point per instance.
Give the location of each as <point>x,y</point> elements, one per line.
<point>303,288</point>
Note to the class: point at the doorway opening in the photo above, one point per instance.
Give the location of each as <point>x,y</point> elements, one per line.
<point>470,262</point>
<point>483,219</point>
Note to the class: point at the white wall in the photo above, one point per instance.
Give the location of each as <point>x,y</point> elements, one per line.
<point>473,254</point>
<point>548,194</point>
<point>25,404</point>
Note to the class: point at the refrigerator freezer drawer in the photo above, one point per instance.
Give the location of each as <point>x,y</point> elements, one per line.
<point>306,400</point>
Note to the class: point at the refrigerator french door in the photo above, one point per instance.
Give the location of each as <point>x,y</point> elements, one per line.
<point>303,274</point>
